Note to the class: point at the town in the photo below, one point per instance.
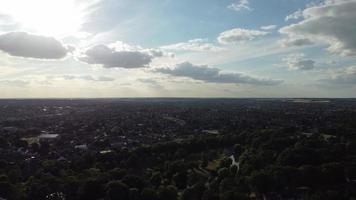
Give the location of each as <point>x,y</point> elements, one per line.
<point>178,149</point>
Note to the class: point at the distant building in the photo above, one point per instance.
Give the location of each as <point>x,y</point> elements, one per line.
<point>46,137</point>
<point>81,147</point>
<point>213,132</point>
<point>106,151</point>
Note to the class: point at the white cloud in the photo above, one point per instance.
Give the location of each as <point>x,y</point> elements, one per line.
<point>193,45</point>
<point>237,35</point>
<point>154,52</point>
<point>298,62</point>
<point>7,23</point>
<point>241,5</point>
<point>150,82</point>
<point>343,77</point>
<point>294,16</point>
<point>14,83</point>
<point>23,44</point>
<point>332,22</point>
<point>112,58</point>
<point>269,27</point>
<point>87,78</point>
<point>214,75</point>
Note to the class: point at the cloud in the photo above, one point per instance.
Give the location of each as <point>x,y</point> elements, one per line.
<point>296,15</point>
<point>241,5</point>
<point>104,78</point>
<point>154,52</point>
<point>332,22</point>
<point>4,18</point>
<point>213,75</point>
<point>87,78</point>
<point>342,77</point>
<point>150,82</point>
<point>26,45</point>
<point>15,83</point>
<point>7,23</point>
<point>298,62</point>
<point>290,42</point>
<point>269,27</point>
<point>112,58</point>
<point>237,35</point>
<point>147,80</point>
<point>302,65</point>
<point>193,45</point>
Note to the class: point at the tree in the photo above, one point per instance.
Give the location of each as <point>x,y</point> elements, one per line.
<point>133,181</point>
<point>167,192</point>
<point>134,194</point>
<point>44,148</point>
<point>225,162</point>
<point>117,190</point>
<point>333,173</point>
<point>310,176</point>
<point>180,180</point>
<point>156,179</point>
<point>194,192</point>
<point>3,143</point>
<point>149,194</point>
<point>261,182</point>
<point>92,189</point>
<point>237,151</point>
<point>118,173</point>
<point>233,169</point>
<point>7,190</point>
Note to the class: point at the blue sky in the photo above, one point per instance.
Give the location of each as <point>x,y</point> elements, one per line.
<point>171,48</point>
<point>176,21</point>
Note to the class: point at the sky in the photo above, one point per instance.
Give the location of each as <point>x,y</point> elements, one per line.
<point>177,48</point>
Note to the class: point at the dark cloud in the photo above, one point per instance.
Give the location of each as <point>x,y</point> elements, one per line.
<point>214,75</point>
<point>332,22</point>
<point>26,45</point>
<point>104,78</point>
<point>300,64</point>
<point>111,58</point>
<point>296,42</point>
<point>303,65</point>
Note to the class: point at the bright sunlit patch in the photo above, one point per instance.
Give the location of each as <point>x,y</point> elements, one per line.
<point>49,17</point>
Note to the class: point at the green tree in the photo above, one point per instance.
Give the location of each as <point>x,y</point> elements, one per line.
<point>92,189</point>
<point>117,190</point>
<point>167,192</point>
<point>149,194</point>
<point>261,182</point>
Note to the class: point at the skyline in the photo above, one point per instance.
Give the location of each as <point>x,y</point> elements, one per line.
<point>166,48</point>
